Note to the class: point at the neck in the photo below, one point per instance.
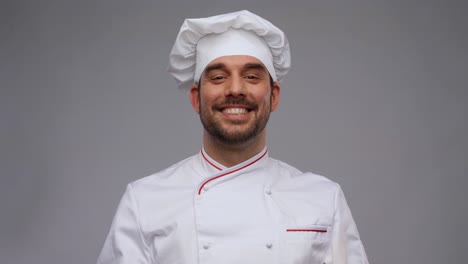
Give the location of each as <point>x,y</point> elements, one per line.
<point>231,155</point>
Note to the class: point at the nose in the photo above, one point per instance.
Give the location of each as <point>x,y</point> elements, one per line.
<point>235,87</point>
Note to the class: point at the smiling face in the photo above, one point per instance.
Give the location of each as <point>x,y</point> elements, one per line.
<point>234,99</point>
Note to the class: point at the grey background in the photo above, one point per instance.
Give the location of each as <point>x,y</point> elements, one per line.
<point>376,100</point>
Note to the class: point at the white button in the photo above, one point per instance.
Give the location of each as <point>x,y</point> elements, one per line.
<point>269,245</point>
<point>206,188</point>
<point>268,192</point>
<point>206,246</point>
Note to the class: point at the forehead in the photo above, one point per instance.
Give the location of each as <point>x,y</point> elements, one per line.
<point>235,62</point>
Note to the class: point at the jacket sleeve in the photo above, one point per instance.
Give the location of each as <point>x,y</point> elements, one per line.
<point>125,243</point>
<point>346,246</point>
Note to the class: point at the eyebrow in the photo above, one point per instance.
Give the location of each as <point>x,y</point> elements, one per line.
<point>247,66</point>
<point>255,66</point>
<point>216,66</point>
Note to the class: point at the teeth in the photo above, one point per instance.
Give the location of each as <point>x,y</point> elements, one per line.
<point>235,111</point>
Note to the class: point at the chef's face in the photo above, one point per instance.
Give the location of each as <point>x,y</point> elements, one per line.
<point>234,99</point>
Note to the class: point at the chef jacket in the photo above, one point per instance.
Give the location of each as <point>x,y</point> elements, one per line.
<point>262,211</point>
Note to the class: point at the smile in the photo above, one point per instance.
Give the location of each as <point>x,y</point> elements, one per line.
<point>235,111</point>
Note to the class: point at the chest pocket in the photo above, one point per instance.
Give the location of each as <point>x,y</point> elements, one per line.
<point>306,244</point>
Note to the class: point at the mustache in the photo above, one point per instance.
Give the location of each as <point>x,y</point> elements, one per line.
<point>236,101</point>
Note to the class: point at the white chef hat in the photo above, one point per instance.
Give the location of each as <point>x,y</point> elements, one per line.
<point>201,40</point>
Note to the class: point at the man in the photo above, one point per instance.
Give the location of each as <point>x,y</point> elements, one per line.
<point>232,203</point>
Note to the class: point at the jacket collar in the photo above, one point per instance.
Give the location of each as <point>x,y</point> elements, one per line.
<point>211,165</point>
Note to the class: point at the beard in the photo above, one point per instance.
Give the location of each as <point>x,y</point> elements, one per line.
<point>235,134</point>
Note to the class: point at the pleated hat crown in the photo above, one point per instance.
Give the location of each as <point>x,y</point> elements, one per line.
<point>201,40</point>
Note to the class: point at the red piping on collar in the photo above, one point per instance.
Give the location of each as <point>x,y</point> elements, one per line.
<point>209,162</point>
<point>229,172</point>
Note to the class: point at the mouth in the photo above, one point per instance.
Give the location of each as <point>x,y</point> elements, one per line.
<point>235,110</point>
<point>236,113</point>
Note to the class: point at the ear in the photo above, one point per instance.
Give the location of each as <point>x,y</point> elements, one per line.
<point>194,97</point>
<point>275,96</point>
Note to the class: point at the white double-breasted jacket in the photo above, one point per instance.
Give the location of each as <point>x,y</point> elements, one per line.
<point>261,211</point>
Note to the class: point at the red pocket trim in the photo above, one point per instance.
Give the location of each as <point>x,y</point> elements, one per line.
<point>306,230</point>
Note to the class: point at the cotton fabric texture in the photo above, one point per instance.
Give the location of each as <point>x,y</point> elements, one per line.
<point>238,33</point>
<point>257,212</point>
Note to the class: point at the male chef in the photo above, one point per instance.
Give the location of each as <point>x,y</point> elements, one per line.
<point>232,202</point>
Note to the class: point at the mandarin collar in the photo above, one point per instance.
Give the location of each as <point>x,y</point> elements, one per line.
<point>212,166</point>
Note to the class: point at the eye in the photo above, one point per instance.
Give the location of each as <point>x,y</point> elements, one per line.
<point>217,79</point>
<point>251,77</point>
